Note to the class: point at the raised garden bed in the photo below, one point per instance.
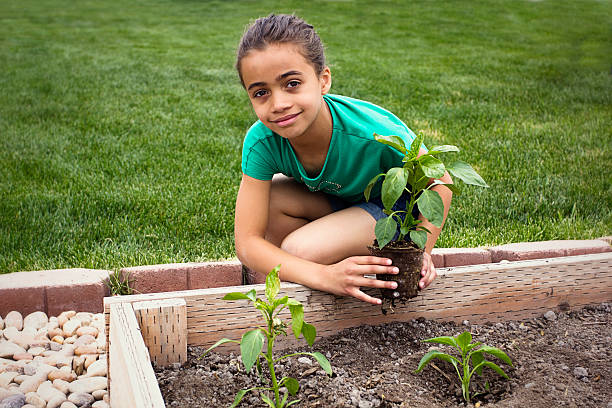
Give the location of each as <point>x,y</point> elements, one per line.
<point>559,360</point>
<point>483,293</point>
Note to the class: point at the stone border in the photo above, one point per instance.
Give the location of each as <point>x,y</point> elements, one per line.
<point>55,291</point>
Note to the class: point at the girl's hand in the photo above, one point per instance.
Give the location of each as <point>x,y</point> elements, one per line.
<point>428,271</point>
<point>346,277</point>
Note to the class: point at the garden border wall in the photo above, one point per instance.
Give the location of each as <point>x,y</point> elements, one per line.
<point>479,293</point>
<point>55,291</point>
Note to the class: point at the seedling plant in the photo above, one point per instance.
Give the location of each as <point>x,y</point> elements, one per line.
<point>252,342</point>
<point>414,177</point>
<point>472,359</point>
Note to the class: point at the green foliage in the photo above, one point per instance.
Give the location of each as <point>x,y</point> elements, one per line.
<point>414,177</point>
<point>252,342</point>
<point>118,283</point>
<point>472,359</point>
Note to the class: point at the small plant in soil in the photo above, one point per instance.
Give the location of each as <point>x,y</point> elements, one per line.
<point>400,235</point>
<point>472,359</point>
<point>252,342</point>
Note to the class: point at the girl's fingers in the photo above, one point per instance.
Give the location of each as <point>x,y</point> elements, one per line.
<point>365,297</point>
<point>429,275</point>
<point>370,260</point>
<point>375,283</point>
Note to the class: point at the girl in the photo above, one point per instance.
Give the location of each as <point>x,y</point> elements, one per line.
<point>305,164</point>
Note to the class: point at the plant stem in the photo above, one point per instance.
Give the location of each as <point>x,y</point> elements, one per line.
<point>270,360</point>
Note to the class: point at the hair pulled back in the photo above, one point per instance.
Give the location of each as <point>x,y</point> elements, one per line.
<point>279,29</point>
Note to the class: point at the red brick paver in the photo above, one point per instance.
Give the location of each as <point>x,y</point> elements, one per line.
<point>547,249</point>
<point>463,256</point>
<point>53,291</point>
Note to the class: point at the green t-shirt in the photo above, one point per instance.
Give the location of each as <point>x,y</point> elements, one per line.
<point>353,158</point>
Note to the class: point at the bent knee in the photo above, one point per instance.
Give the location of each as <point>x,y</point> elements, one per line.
<point>303,249</point>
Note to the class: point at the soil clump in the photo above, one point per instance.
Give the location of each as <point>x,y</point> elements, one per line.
<point>561,359</point>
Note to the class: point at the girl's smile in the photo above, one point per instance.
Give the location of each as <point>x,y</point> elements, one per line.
<point>286,120</point>
<point>287,94</point>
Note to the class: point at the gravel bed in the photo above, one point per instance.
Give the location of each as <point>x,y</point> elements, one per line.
<point>53,362</point>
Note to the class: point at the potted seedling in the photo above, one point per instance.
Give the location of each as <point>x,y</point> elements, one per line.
<point>400,235</point>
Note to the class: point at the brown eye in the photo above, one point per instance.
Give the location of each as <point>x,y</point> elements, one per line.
<point>259,93</point>
<point>293,84</point>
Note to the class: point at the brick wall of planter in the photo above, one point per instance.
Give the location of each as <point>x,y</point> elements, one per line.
<point>54,291</point>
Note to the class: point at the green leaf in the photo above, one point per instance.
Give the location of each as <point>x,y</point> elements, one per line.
<point>419,237</point>
<point>272,284</point>
<point>463,340</point>
<point>293,302</point>
<point>495,367</point>
<point>371,185</point>
<point>432,167</point>
<point>466,173</point>
<point>238,397</point>
<point>267,400</point>
<point>385,230</point>
<point>309,332</point>
<point>443,149</point>
<point>497,353</point>
<point>220,342</point>
<point>293,402</point>
<point>477,359</point>
<point>432,355</point>
<point>291,383</point>
<point>281,301</point>
<point>431,206</point>
<point>323,362</point>
<point>393,186</point>
<point>394,141</point>
<point>449,341</point>
<point>250,347</point>
<point>236,296</point>
<point>415,146</point>
<point>297,319</point>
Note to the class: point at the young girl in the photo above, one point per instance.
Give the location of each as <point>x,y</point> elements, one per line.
<point>305,164</point>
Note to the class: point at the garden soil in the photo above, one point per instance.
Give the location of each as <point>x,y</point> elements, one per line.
<point>561,359</point>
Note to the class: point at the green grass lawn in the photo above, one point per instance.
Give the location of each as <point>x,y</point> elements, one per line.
<point>121,124</point>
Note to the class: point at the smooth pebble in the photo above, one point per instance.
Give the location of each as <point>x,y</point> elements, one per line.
<point>35,320</point>
<point>13,319</point>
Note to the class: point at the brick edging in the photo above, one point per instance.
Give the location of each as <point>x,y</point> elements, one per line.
<point>58,290</point>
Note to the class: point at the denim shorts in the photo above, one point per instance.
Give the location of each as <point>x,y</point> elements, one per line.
<point>374,207</point>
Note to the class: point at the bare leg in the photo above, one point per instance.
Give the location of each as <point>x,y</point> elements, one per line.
<point>303,223</point>
<point>292,206</point>
<point>334,237</point>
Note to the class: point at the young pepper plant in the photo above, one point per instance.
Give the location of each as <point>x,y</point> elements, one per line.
<point>470,355</point>
<point>252,342</point>
<point>414,177</point>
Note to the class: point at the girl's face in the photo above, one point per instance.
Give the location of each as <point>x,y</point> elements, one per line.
<point>285,91</point>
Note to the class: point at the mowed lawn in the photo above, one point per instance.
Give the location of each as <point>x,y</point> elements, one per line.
<point>121,124</point>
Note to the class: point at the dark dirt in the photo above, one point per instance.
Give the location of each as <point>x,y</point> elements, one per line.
<point>409,260</point>
<point>559,361</point>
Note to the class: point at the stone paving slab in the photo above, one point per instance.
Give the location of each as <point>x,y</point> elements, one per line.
<point>53,291</point>
<point>57,290</point>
